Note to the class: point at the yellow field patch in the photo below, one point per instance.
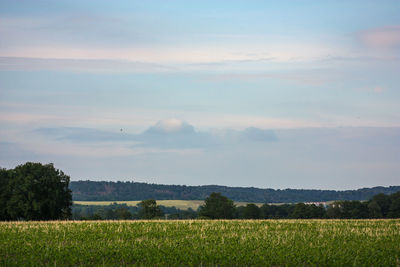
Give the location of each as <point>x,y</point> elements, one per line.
<point>179,204</point>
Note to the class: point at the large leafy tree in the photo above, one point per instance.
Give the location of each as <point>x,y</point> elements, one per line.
<point>38,192</point>
<point>217,206</point>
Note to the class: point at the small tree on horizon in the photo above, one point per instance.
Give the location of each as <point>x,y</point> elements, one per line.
<point>217,206</point>
<point>150,209</point>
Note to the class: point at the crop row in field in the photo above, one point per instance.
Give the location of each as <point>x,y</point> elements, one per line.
<point>202,242</point>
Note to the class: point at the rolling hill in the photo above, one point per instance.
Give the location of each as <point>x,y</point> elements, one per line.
<point>133,191</point>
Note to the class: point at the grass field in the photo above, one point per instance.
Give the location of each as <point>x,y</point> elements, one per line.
<point>197,242</point>
<point>180,204</point>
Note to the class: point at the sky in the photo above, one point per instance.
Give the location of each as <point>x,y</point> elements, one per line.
<point>269,94</point>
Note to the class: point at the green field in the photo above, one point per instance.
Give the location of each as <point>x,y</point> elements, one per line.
<point>179,204</point>
<point>198,242</point>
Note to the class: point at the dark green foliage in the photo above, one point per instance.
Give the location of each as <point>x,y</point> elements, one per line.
<point>40,192</point>
<point>124,212</point>
<point>35,192</point>
<point>276,211</point>
<point>394,210</point>
<point>251,211</point>
<point>380,206</point>
<point>4,193</point>
<point>150,209</point>
<point>303,211</point>
<point>116,191</point>
<point>183,214</point>
<point>111,212</point>
<point>317,212</point>
<point>348,210</point>
<point>337,210</point>
<point>300,211</point>
<point>217,206</point>
<point>384,203</point>
<point>333,211</point>
<point>239,212</point>
<point>374,210</point>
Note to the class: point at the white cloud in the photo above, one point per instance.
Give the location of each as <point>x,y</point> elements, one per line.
<point>164,135</point>
<point>171,126</point>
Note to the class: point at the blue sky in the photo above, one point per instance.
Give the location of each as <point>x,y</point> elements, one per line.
<point>295,94</point>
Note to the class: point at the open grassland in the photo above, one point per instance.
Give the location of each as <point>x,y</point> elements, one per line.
<point>201,242</point>
<point>179,204</point>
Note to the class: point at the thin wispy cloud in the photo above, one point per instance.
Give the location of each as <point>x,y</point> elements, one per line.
<point>386,38</point>
<point>80,65</point>
<point>379,89</point>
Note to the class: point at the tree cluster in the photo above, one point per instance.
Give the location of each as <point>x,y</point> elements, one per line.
<point>150,210</point>
<point>111,212</point>
<point>217,206</point>
<point>33,191</point>
<point>119,191</point>
<point>379,206</point>
<point>147,209</point>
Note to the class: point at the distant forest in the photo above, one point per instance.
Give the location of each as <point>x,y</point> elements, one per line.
<point>119,191</point>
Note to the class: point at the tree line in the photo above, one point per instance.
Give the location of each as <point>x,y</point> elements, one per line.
<point>147,209</point>
<point>120,191</point>
<point>217,206</point>
<point>33,191</point>
<point>379,206</point>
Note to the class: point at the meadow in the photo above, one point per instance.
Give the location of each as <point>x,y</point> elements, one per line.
<point>201,242</point>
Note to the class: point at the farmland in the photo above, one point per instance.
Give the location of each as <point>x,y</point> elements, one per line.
<point>201,242</point>
<point>179,204</point>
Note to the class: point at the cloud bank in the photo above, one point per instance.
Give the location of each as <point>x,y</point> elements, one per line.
<point>165,134</point>
<point>175,152</point>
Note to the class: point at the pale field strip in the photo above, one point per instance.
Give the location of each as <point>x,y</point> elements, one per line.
<point>179,204</point>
